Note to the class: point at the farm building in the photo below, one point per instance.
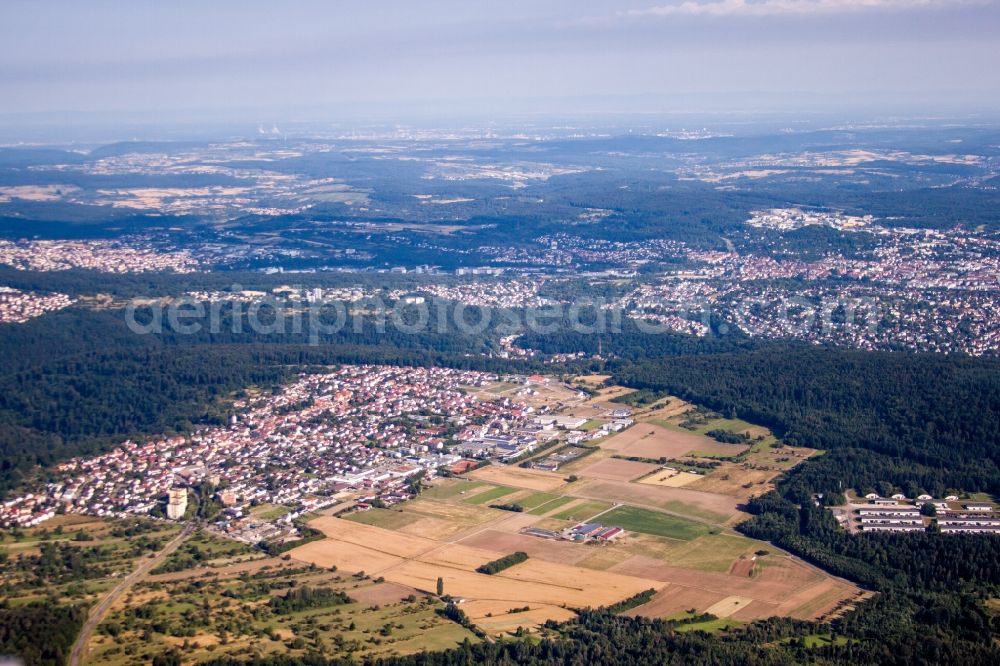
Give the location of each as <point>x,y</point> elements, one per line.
<point>587,529</point>
<point>609,534</point>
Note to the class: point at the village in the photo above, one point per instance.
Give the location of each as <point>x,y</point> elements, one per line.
<point>361,432</point>
<point>17,307</point>
<point>135,255</point>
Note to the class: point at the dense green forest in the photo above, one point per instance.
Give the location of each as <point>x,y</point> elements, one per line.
<point>41,633</point>
<point>916,416</point>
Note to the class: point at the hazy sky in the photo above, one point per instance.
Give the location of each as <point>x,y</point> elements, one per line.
<point>341,56</point>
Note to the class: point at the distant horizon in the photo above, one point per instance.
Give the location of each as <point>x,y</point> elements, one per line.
<point>407,62</point>
<point>98,127</point>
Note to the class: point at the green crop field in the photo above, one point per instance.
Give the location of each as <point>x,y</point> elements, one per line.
<point>489,495</point>
<point>583,512</point>
<point>542,509</point>
<point>714,552</point>
<point>385,518</point>
<point>535,500</point>
<point>653,522</point>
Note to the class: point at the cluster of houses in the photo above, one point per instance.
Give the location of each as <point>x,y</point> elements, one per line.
<point>135,256</point>
<point>362,428</point>
<point>17,307</point>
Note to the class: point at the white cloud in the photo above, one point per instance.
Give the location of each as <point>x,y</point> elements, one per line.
<point>790,7</point>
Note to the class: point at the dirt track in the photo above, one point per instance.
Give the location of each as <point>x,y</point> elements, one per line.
<point>98,612</point>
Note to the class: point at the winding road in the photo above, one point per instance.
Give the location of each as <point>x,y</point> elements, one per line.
<point>98,612</point>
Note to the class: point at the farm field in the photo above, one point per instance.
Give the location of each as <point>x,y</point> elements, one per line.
<point>666,408</point>
<point>716,552</point>
<point>616,470</point>
<point>583,511</point>
<point>731,425</point>
<point>778,588</point>
<point>383,518</point>
<point>489,495</point>
<point>549,507</point>
<point>445,491</point>
<point>419,562</point>
<point>441,519</point>
<point>692,558</point>
<point>529,479</point>
<point>655,441</point>
<point>636,519</point>
<point>738,480</point>
<point>672,479</point>
<point>535,500</point>
<point>706,506</point>
<point>544,549</point>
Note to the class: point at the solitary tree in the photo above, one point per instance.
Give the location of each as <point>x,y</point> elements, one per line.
<point>440,586</point>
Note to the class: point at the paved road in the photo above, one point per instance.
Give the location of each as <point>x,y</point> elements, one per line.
<point>98,612</point>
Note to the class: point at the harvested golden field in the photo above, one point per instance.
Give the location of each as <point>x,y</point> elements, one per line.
<point>612,392</point>
<point>518,477</point>
<point>648,440</point>
<point>616,470</point>
<point>783,586</point>
<point>668,479</point>
<point>674,599</point>
<point>381,594</point>
<point>532,582</point>
<point>603,558</point>
<point>493,616</point>
<point>457,556</point>
<point>345,555</point>
<point>672,407</point>
<point>543,549</point>
<point>728,606</point>
<point>816,600</point>
<point>441,520</point>
<point>387,541</point>
<point>730,479</point>
<point>418,562</point>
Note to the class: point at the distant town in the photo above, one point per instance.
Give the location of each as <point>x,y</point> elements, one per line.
<point>916,289</point>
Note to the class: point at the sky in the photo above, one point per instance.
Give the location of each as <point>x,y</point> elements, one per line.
<point>344,58</point>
